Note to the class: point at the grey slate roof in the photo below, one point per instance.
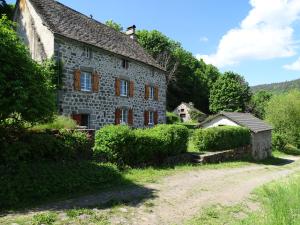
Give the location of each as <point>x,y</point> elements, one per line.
<point>246,120</point>
<point>69,23</point>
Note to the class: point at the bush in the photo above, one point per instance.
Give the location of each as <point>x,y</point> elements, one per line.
<point>31,183</point>
<point>24,145</point>
<point>279,141</point>
<point>120,144</point>
<point>59,122</point>
<point>172,118</point>
<point>197,115</point>
<point>221,138</point>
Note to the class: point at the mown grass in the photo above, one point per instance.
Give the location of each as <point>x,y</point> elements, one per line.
<point>279,204</point>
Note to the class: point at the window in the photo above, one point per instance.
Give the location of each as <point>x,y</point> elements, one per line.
<point>86,81</point>
<point>151,92</point>
<point>87,52</point>
<point>151,118</point>
<point>124,116</point>
<point>124,88</point>
<point>125,63</point>
<point>182,110</point>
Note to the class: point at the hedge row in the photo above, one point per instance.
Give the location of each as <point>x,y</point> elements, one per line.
<point>122,145</point>
<point>23,145</point>
<point>221,138</point>
<point>31,183</point>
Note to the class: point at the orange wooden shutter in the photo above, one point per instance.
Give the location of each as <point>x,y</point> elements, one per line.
<point>155,117</point>
<point>95,82</point>
<point>117,116</point>
<point>77,80</point>
<point>117,86</point>
<point>146,118</point>
<point>131,89</point>
<point>156,93</point>
<point>146,92</point>
<point>130,117</point>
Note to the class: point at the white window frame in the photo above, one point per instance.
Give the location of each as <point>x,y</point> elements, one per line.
<point>124,117</point>
<point>124,88</point>
<point>151,118</point>
<point>86,81</point>
<point>151,92</point>
<point>87,52</point>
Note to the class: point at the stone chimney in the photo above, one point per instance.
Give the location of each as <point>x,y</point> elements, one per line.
<point>131,32</point>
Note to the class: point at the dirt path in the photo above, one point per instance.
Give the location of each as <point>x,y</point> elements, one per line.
<point>179,197</point>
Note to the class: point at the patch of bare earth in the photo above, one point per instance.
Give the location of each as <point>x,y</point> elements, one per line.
<point>179,197</point>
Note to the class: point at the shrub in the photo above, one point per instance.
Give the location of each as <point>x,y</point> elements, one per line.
<point>279,141</point>
<point>26,145</point>
<point>26,184</point>
<point>221,138</point>
<point>59,122</point>
<point>197,115</point>
<point>44,218</point>
<point>172,118</point>
<point>120,144</point>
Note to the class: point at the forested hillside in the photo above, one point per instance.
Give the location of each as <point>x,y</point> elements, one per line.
<point>278,87</point>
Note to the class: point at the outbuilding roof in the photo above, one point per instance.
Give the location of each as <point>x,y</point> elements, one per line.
<point>69,23</point>
<point>246,120</point>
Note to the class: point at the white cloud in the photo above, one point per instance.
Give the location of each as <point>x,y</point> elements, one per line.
<point>293,66</point>
<point>265,33</point>
<point>204,39</point>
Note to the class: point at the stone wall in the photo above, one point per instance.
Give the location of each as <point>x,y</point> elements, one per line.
<point>261,145</point>
<point>101,106</point>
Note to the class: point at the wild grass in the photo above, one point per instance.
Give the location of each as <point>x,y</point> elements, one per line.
<point>59,122</point>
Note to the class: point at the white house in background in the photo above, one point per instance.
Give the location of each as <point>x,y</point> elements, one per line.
<point>261,132</point>
<point>184,111</point>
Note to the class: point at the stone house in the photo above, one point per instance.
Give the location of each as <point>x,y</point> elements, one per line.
<point>261,132</point>
<point>107,78</point>
<point>184,111</point>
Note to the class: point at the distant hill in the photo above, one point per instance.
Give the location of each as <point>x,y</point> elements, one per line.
<point>278,87</point>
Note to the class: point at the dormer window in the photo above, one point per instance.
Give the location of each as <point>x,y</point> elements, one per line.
<point>125,64</point>
<point>87,52</point>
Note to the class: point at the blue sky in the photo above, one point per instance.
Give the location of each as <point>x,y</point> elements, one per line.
<point>257,38</point>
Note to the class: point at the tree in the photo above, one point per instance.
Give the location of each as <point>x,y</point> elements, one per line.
<point>7,9</point>
<point>229,93</point>
<point>258,103</point>
<point>283,112</point>
<point>114,25</point>
<point>26,90</point>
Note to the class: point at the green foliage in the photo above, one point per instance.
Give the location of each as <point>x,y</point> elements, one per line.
<point>23,145</point>
<point>32,183</point>
<point>229,93</point>
<point>283,112</point>
<point>121,145</point>
<point>172,118</point>
<point>44,218</point>
<point>25,86</point>
<point>197,115</point>
<point>259,102</point>
<point>221,138</point>
<point>114,25</point>
<point>59,122</point>
<point>7,9</point>
<point>279,141</point>
<point>278,88</point>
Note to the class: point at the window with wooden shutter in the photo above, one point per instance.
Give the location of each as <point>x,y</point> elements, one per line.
<point>117,116</point>
<point>130,117</point>
<point>155,117</point>
<point>131,89</point>
<point>117,86</point>
<point>146,92</point>
<point>95,82</point>
<point>146,118</point>
<point>77,80</point>
<point>156,93</point>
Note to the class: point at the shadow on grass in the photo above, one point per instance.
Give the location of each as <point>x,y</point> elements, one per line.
<point>24,187</point>
<point>275,161</point>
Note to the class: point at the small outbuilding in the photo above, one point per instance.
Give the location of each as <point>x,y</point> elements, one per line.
<point>185,111</point>
<point>261,132</point>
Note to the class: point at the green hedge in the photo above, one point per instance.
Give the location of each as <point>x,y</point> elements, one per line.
<point>31,183</point>
<point>23,145</point>
<point>122,145</point>
<point>172,118</point>
<point>221,138</point>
